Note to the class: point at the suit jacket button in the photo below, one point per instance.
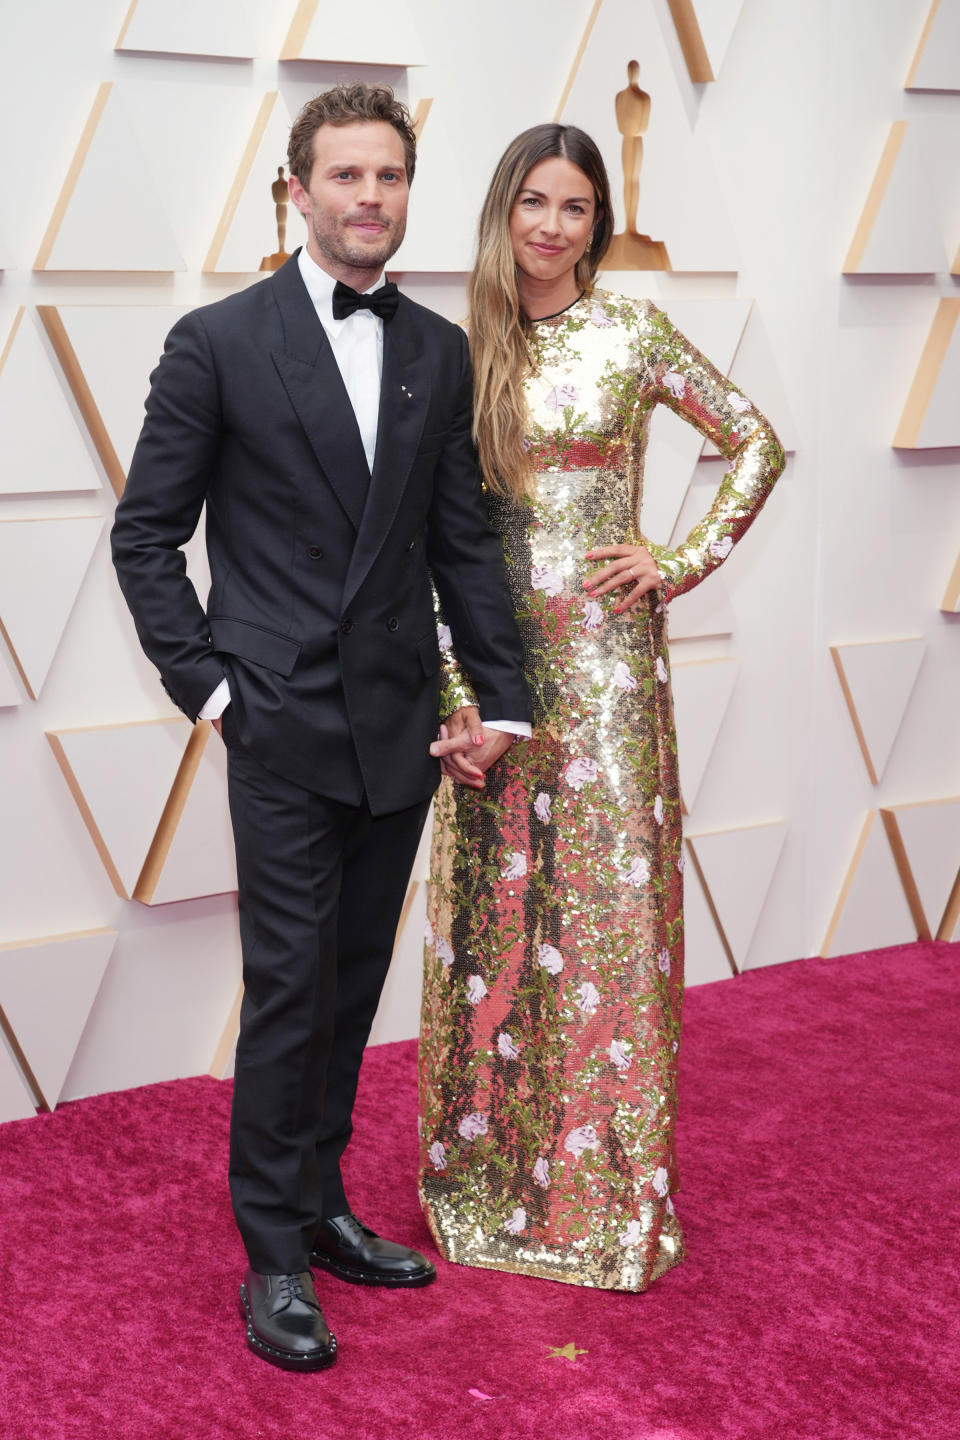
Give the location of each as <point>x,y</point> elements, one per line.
<point>315,552</point>
<point>345,627</point>
<point>393,623</point>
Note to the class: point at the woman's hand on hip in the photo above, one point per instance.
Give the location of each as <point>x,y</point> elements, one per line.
<point>629,565</point>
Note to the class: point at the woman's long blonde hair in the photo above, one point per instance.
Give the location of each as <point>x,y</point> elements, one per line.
<point>498,327</point>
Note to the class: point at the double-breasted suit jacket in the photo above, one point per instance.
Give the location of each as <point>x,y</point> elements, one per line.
<point>320,612</point>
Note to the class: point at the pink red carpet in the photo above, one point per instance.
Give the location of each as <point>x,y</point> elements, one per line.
<point>820,1152</point>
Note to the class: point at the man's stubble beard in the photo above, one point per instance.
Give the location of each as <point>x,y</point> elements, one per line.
<point>329,232</point>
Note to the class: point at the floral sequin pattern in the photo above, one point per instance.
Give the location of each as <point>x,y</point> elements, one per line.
<point>554,949</point>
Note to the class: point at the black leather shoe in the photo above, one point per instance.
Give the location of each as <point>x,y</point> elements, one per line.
<point>351,1250</point>
<point>285,1325</point>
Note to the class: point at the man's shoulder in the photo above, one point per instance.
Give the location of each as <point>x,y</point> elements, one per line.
<point>232,310</point>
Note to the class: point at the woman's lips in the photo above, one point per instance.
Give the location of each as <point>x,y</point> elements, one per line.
<point>545,249</point>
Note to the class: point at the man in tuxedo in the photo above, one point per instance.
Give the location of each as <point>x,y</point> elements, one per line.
<point>325,420</point>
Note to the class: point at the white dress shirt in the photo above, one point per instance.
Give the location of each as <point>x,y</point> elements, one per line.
<point>357,345</point>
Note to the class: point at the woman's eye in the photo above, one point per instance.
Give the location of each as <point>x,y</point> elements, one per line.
<point>576,210</point>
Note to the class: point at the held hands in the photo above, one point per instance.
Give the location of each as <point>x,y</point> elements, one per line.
<point>630,565</point>
<point>466,749</point>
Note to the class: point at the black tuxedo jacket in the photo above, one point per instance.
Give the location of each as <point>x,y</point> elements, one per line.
<point>320,610</point>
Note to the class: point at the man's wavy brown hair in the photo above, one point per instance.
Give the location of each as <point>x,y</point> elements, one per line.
<point>345,105</point>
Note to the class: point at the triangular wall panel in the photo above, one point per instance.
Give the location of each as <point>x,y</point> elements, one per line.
<point>669,213</point>
<point>701,694</point>
<point>47,990</point>
<point>715,328</point>
<point>706,957</point>
<point>186,27</point>
<point>925,840</point>
<point>704,29</point>
<point>737,867</point>
<point>877,680</point>
<point>931,415</point>
<point>706,609</point>
<point>192,854</point>
<point>42,565</point>
<point>16,1102</point>
<point>49,457</point>
<point>380,32</point>
<point>108,216</point>
<point>756,374</point>
<point>247,232</point>
<point>898,232</point>
<point>121,777</point>
<point>10,690</point>
<point>89,341</point>
<point>871,911</point>
<point>936,61</point>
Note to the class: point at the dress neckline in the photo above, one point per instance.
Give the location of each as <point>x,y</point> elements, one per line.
<point>557,313</point>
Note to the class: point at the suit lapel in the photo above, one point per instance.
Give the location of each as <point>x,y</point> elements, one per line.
<point>404,399</point>
<point>314,385</point>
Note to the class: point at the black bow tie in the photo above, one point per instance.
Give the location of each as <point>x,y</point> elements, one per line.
<point>382,302</point>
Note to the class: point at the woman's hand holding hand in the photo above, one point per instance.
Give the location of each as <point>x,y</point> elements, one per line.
<point>630,565</point>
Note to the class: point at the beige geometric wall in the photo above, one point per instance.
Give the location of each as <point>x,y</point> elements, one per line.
<point>801,174</point>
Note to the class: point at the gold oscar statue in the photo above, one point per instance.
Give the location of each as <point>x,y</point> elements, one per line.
<point>631,250</point>
<point>280,192</point>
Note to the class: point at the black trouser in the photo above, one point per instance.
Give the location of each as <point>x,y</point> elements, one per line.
<point>321,887</point>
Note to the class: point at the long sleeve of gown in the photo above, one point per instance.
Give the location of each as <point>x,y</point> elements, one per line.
<point>696,391</point>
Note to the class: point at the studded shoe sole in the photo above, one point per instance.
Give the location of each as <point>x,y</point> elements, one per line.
<point>356,1275</point>
<point>285,1359</point>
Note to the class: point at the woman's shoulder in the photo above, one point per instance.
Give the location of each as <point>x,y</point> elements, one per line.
<point>611,307</point>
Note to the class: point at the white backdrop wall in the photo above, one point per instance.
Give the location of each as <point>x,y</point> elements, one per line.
<point>758,181</point>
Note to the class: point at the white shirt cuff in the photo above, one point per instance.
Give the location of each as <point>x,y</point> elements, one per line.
<point>511,727</point>
<point>217,703</point>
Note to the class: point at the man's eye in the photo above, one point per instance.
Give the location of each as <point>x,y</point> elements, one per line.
<point>344,174</point>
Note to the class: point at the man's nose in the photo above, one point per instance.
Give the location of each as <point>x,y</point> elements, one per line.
<point>370,191</point>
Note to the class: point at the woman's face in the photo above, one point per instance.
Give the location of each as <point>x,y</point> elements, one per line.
<point>552,219</point>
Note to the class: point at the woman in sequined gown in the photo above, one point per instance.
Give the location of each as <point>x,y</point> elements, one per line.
<point>554,942</point>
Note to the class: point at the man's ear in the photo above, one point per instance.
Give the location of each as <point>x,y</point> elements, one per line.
<point>298,195</point>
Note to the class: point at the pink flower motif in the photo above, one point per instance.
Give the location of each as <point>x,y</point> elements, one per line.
<point>675,384</point>
<point>658,809</point>
<point>632,1235</point>
<point>506,1046</point>
<point>476,990</point>
<point>445,951</point>
<point>580,772</point>
<point>601,318</point>
<point>560,396</point>
<point>738,403</point>
<point>473,1125</point>
<point>541,1173</point>
<point>583,1138</point>
<point>669,1207</point>
<point>444,637</point>
<point>639,872</point>
<point>516,866</point>
<point>674,1046</point>
<point>592,616</point>
<point>622,677</point>
<point>660,1182</point>
<point>720,549</point>
<point>438,1156</point>
<point>517,1222</point>
<point>543,578</point>
<point>661,670</point>
<point>589,997</point>
<point>541,807</point>
<point>618,1055</point>
<point>663,961</point>
<point>427,933</point>
<point>550,959</point>
<point>681,864</point>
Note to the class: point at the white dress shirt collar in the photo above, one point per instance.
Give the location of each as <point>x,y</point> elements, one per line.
<point>320,287</point>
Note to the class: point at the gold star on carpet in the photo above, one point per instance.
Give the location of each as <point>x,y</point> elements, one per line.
<point>565,1352</point>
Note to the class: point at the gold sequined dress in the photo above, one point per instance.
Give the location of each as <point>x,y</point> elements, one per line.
<point>554,943</point>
